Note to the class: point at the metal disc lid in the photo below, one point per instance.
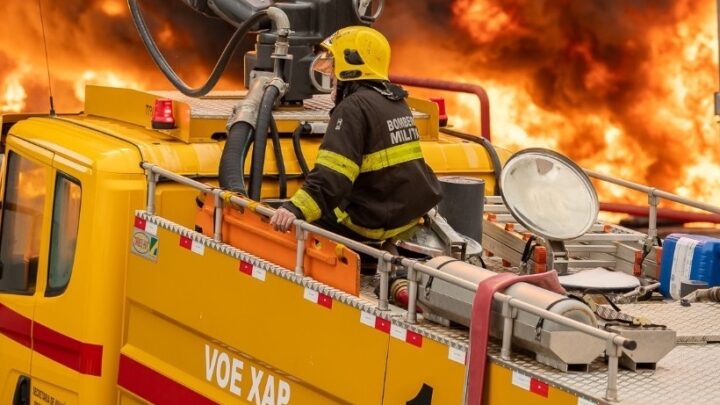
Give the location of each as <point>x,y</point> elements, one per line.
<point>549,194</point>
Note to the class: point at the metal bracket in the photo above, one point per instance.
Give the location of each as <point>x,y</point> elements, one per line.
<point>455,244</point>
<point>558,257</point>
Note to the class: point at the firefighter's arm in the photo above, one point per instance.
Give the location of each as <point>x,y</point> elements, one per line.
<point>336,167</point>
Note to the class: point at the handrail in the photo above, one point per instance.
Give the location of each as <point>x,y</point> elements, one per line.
<point>664,213</point>
<point>653,191</point>
<point>653,195</point>
<point>615,342</point>
<point>458,87</point>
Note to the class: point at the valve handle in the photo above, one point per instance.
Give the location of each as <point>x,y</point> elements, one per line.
<point>361,7</point>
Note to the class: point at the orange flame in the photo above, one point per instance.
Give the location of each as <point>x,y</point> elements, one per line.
<point>624,88</point>
<point>95,42</point>
<point>13,92</point>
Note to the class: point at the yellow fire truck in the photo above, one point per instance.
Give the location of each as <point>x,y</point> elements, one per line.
<point>129,275</point>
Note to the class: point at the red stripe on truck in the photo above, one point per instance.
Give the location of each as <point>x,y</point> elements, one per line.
<point>82,357</point>
<point>154,387</point>
<point>15,326</point>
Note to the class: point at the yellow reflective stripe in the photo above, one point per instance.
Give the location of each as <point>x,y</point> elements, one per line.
<point>378,233</point>
<point>391,156</point>
<point>301,199</point>
<point>338,163</point>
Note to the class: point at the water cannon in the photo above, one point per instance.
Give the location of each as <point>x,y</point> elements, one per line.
<point>288,35</point>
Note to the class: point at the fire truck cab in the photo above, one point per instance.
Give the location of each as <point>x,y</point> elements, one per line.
<point>69,185</point>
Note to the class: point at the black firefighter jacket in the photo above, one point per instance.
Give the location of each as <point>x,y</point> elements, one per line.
<point>370,175</point>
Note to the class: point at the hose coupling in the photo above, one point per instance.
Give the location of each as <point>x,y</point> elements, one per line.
<point>279,84</point>
<point>247,109</point>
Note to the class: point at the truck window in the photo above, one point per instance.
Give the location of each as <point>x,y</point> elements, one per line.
<point>22,215</point>
<point>63,237</point>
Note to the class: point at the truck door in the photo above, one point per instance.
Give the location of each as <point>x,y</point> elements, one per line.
<point>23,230</point>
<point>65,366</point>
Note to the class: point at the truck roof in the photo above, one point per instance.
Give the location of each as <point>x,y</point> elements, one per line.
<point>115,132</point>
<point>114,146</point>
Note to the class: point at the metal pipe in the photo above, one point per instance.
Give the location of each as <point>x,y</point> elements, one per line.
<point>653,191</point>
<point>412,294</point>
<point>507,313</point>
<point>661,213</point>
<point>384,271</point>
<point>301,236</point>
<point>457,87</point>
<point>217,217</point>
<point>281,20</point>
<point>614,352</point>
<point>652,217</point>
<point>152,182</point>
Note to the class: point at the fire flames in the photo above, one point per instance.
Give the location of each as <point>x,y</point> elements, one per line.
<point>623,88</point>
<point>96,42</point>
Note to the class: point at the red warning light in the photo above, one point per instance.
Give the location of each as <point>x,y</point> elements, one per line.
<point>443,118</point>
<point>163,117</point>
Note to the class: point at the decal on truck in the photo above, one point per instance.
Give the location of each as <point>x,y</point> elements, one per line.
<point>228,372</point>
<point>144,239</point>
<point>145,245</point>
<point>45,397</point>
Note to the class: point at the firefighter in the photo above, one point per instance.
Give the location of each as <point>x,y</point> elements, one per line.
<point>370,181</point>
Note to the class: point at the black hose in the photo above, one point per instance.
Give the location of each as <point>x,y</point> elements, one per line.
<point>497,166</point>
<point>168,71</point>
<point>282,175</point>
<point>231,174</point>
<point>261,133</point>
<point>297,133</point>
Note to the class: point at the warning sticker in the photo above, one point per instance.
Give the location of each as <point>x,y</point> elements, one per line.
<point>144,244</point>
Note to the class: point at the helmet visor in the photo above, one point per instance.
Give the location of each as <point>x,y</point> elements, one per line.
<point>324,64</point>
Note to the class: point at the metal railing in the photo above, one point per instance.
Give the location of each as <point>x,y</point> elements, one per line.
<point>615,342</point>
<point>457,87</point>
<point>653,196</point>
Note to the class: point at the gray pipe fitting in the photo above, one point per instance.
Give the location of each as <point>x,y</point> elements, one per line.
<point>281,20</point>
<point>247,110</point>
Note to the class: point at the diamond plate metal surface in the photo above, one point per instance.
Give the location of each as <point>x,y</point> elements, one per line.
<point>219,105</point>
<point>698,323</point>
<point>687,376</point>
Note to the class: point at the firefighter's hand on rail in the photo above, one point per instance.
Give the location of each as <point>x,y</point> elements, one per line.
<point>282,220</point>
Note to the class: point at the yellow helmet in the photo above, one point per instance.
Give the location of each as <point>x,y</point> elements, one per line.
<point>360,53</point>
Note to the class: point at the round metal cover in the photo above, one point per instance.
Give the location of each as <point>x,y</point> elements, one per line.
<point>549,194</point>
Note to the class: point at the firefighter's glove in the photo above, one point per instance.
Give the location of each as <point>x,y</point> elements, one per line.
<point>282,220</point>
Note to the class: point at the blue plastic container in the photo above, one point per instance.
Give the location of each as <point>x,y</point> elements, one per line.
<point>688,257</point>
